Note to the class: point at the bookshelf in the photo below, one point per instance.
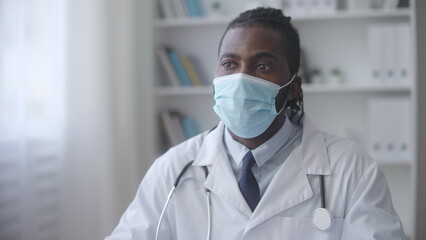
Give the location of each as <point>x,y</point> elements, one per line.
<point>341,109</point>
<point>341,14</point>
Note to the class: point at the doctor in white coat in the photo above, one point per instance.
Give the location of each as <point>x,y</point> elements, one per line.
<point>264,160</point>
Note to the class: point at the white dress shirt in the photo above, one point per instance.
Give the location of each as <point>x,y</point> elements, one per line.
<point>269,156</point>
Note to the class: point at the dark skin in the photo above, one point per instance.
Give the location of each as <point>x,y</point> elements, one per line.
<point>258,52</point>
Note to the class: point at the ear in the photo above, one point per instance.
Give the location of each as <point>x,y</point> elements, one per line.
<point>295,88</point>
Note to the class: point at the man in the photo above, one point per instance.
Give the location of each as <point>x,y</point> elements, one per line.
<point>265,161</point>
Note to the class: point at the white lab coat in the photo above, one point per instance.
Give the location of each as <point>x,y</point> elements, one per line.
<point>356,193</point>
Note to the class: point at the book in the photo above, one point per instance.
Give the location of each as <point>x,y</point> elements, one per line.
<point>194,8</point>
<point>172,126</point>
<point>168,67</point>
<point>179,8</point>
<point>178,67</point>
<point>167,9</point>
<point>190,127</point>
<point>171,129</point>
<point>177,125</point>
<point>189,67</point>
<point>177,128</point>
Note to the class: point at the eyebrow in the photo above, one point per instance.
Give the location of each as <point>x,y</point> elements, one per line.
<point>265,55</point>
<point>230,55</point>
<point>256,56</point>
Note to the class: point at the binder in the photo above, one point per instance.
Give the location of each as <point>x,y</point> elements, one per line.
<point>402,136</point>
<point>375,53</point>
<point>390,128</point>
<point>389,56</point>
<point>375,130</point>
<point>326,6</point>
<point>403,53</point>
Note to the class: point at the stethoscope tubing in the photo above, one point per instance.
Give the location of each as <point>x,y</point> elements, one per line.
<point>322,191</point>
<point>208,200</point>
<point>169,197</point>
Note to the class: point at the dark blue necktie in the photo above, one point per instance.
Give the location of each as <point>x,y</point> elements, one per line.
<point>248,183</point>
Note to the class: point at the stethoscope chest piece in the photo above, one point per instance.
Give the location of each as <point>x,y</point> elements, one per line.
<point>322,219</point>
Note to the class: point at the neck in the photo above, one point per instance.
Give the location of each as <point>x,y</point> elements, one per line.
<point>252,143</point>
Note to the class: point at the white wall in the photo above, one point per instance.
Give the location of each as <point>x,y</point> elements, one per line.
<point>421,120</point>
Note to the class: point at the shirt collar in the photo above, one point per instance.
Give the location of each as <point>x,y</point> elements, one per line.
<point>265,151</point>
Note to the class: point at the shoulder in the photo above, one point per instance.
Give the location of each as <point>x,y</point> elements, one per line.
<point>346,152</point>
<point>349,162</point>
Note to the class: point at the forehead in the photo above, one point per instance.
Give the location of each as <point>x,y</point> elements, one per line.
<point>257,39</point>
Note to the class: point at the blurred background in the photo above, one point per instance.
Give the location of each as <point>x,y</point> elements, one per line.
<point>92,91</point>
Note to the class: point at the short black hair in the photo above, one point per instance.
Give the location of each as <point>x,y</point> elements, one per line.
<point>274,19</point>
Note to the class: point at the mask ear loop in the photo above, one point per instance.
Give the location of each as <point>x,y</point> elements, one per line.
<point>285,85</point>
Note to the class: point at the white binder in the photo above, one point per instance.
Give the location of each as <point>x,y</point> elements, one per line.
<point>389,55</point>
<point>403,53</point>
<point>375,54</point>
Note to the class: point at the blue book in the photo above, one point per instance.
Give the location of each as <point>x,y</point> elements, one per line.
<point>194,8</point>
<point>190,128</point>
<point>190,7</point>
<point>198,8</point>
<point>178,66</point>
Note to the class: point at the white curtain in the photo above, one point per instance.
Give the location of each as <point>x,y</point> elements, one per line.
<point>68,118</point>
<point>32,120</point>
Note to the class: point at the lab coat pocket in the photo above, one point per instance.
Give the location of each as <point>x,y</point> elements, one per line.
<point>303,228</point>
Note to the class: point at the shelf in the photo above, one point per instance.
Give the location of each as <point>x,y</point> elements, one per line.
<point>344,14</point>
<point>307,88</point>
<point>341,14</point>
<point>402,163</point>
<point>183,91</point>
<point>311,88</point>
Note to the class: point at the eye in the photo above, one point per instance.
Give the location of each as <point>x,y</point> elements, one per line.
<point>227,64</point>
<point>263,67</point>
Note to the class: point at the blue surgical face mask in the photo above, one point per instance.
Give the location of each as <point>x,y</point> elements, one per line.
<point>246,104</point>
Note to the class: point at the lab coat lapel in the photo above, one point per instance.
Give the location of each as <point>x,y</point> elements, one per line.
<point>221,179</point>
<point>290,185</point>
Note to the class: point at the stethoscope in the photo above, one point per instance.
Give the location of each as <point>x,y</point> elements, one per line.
<point>322,218</point>
<point>169,197</point>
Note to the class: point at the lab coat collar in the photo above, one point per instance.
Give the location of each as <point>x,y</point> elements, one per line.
<point>314,155</point>
<point>211,146</point>
<point>221,179</point>
<point>289,187</point>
